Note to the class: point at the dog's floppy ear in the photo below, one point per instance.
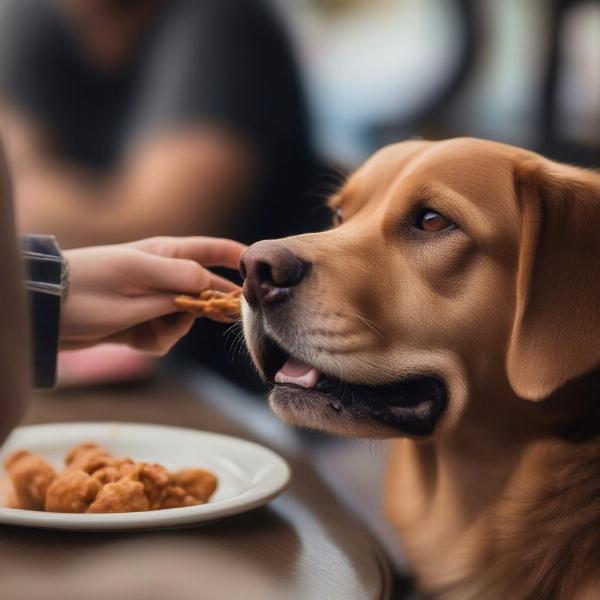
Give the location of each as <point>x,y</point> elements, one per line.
<point>556,332</point>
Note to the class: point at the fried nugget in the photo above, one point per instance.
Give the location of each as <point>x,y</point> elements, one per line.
<point>198,483</point>
<point>213,304</point>
<point>87,457</point>
<point>154,477</point>
<point>97,482</point>
<point>176,497</point>
<point>125,495</point>
<point>72,492</point>
<point>30,476</point>
<point>91,458</point>
<point>189,487</point>
<point>107,474</point>
<point>76,453</point>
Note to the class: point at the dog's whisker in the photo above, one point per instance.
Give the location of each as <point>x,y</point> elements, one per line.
<point>239,344</point>
<point>347,314</point>
<point>370,324</point>
<point>232,336</point>
<point>232,328</point>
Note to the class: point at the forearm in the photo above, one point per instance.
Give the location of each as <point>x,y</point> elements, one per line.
<point>193,194</point>
<point>80,210</point>
<point>53,199</point>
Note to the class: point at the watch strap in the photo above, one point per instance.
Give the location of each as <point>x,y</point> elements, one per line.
<point>45,282</point>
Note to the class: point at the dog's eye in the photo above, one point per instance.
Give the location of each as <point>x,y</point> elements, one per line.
<point>432,222</point>
<point>338,215</point>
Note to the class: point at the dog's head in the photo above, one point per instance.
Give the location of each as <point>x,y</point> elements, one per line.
<point>456,272</point>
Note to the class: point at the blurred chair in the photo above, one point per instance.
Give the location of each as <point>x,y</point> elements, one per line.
<point>552,142</point>
<point>547,136</point>
<point>429,117</point>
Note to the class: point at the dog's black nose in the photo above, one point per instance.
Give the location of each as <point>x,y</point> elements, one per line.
<point>270,270</point>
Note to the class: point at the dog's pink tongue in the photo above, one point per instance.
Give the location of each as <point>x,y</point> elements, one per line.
<point>298,373</point>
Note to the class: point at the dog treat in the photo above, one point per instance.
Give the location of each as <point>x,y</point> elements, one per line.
<point>94,481</point>
<point>213,304</point>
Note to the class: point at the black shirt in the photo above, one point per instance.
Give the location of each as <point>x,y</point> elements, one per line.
<point>216,61</point>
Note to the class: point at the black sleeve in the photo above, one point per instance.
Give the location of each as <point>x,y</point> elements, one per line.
<point>34,59</point>
<point>226,62</point>
<point>44,281</point>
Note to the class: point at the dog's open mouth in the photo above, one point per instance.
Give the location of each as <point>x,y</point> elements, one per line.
<point>303,395</point>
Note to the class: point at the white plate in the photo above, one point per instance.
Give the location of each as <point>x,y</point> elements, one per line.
<point>249,475</point>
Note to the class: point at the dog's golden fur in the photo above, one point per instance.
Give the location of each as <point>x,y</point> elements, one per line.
<point>503,500</point>
<point>533,534</point>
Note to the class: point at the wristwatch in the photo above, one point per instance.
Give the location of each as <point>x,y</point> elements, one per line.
<point>47,282</point>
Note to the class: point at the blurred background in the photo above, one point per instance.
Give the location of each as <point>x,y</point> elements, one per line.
<point>525,73</point>
<point>126,119</point>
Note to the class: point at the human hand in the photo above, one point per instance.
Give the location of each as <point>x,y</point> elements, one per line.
<point>124,293</point>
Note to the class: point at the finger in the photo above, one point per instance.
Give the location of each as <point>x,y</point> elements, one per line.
<point>134,312</point>
<point>216,282</point>
<point>209,252</point>
<point>180,276</point>
<point>140,310</point>
<point>171,274</point>
<point>144,308</point>
<point>160,335</point>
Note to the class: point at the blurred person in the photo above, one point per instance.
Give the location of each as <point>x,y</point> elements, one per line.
<point>128,119</point>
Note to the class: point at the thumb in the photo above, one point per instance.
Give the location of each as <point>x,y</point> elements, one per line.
<point>173,274</point>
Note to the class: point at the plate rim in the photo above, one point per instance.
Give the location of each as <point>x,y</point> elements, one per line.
<point>276,483</point>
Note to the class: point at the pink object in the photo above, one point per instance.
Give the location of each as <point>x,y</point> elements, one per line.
<point>299,373</point>
<point>106,363</point>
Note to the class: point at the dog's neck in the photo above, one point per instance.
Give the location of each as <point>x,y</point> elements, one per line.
<point>449,490</point>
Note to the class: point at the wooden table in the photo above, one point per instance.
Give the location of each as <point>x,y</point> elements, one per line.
<point>303,545</point>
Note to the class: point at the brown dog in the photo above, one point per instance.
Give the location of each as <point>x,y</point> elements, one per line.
<point>454,306</point>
